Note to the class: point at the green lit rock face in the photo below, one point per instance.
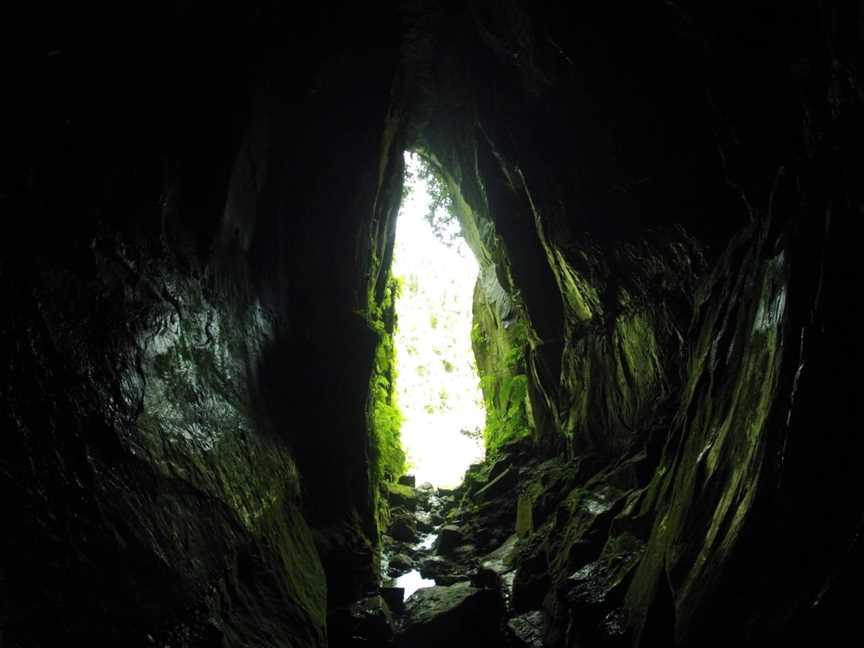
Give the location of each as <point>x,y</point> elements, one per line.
<point>195,427</point>
<point>720,434</point>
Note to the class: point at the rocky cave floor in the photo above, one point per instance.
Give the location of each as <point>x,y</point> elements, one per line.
<point>470,566</point>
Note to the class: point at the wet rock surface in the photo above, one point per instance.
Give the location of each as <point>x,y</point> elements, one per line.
<point>450,537</point>
<point>527,630</point>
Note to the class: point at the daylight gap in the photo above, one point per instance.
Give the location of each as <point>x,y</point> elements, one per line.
<point>437,385</point>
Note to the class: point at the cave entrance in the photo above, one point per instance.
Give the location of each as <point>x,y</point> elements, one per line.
<point>437,385</point>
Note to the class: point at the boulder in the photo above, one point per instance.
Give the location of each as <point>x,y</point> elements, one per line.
<point>503,559</point>
<point>464,551</point>
<point>435,566</point>
<point>449,537</point>
<point>423,520</point>
<point>451,579</point>
<point>527,630</point>
<point>402,496</point>
<point>400,563</point>
<point>407,480</point>
<point>458,614</point>
<point>402,527</point>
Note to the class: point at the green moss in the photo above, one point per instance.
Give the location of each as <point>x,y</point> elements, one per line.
<point>387,458</point>
<point>712,466</point>
<point>224,493</point>
<point>502,364</point>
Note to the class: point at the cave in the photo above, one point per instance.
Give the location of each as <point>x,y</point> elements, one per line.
<point>200,442</point>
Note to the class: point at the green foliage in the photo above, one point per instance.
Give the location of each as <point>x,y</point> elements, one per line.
<point>514,357</point>
<point>440,216</point>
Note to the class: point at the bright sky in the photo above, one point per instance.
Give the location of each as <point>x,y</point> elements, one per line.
<point>437,384</point>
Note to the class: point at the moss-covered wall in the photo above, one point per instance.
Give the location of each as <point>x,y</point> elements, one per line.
<point>500,345</point>
<point>387,458</point>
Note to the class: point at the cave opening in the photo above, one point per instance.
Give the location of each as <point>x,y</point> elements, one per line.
<point>438,388</point>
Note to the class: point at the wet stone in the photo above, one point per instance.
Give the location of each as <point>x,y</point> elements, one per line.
<point>402,496</point>
<point>435,566</point>
<point>407,480</point>
<point>449,537</point>
<point>402,527</point>
<point>464,551</point>
<point>400,563</point>
<point>503,559</point>
<point>451,579</point>
<point>485,577</point>
<point>527,630</point>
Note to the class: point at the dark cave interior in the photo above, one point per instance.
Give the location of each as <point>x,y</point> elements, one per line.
<point>199,204</point>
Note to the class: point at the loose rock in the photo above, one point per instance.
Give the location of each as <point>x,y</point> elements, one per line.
<point>449,537</point>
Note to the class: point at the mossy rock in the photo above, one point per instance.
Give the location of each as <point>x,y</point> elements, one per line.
<point>403,496</point>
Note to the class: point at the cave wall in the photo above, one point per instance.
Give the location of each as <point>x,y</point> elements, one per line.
<point>195,277</point>
<point>661,196</point>
<point>196,228</point>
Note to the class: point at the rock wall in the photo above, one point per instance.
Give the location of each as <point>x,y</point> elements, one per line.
<point>195,232</point>
<point>660,198</point>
